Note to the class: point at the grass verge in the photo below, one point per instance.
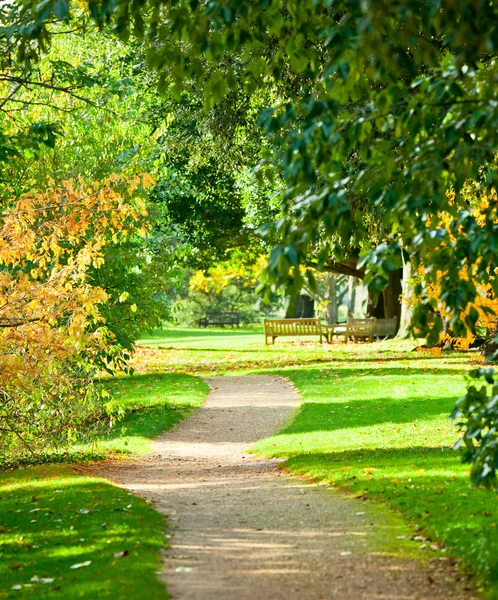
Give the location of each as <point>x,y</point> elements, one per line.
<point>380,430</point>
<point>153,402</point>
<point>53,519</point>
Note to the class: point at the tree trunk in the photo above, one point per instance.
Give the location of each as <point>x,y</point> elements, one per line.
<point>406,307</point>
<point>332,307</point>
<point>351,295</point>
<point>300,307</point>
<point>375,308</point>
<point>392,296</point>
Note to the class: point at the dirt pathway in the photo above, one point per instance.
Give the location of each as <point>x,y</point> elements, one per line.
<point>244,531</point>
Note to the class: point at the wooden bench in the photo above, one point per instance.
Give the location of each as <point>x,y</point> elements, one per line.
<point>369,328</point>
<point>275,328</point>
<point>361,329</point>
<point>220,318</point>
<point>385,327</point>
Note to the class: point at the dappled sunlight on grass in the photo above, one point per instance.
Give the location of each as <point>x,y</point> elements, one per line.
<point>152,403</point>
<point>53,518</point>
<point>383,432</point>
<point>226,351</point>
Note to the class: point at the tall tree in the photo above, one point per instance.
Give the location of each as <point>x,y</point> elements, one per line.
<point>392,109</point>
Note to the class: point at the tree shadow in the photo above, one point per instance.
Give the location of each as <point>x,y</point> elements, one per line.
<point>53,519</point>
<point>427,485</point>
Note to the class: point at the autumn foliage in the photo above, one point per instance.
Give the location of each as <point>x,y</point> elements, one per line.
<point>479,316</point>
<point>52,335</point>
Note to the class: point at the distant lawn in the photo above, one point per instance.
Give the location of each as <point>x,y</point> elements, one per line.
<point>381,430</point>
<point>52,519</point>
<point>225,350</point>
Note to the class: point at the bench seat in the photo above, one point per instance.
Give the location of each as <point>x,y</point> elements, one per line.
<point>220,318</point>
<point>275,328</point>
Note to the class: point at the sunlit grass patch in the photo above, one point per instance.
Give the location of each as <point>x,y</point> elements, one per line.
<point>152,403</point>
<point>381,430</point>
<point>52,519</point>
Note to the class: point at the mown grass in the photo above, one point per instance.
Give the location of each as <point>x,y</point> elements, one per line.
<point>374,422</point>
<point>52,518</point>
<point>382,432</point>
<point>152,403</point>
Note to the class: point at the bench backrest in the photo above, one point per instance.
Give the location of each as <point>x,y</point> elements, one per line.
<point>360,327</point>
<point>386,327</point>
<point>223,316</point>
<point>293,326</point>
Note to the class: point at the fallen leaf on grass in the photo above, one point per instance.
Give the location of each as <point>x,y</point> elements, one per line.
<point>36,579</point>
<point>79,565</point>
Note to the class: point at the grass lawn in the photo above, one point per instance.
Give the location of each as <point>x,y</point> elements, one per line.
<point>152,403</point>
<point>374,422</point>
<point>52,517</point>
<point>380,430</point>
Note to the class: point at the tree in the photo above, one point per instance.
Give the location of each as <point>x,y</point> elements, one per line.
<point>392,109</point>
<point>53,337</point>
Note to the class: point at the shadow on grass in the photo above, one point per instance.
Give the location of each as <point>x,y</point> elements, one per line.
<point>330,416</point>
<point>52,519</point>
<point>427,485</point>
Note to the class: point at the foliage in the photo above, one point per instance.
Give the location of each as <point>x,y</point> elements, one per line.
<point>228,285</point>
<point>204,201</point>
<point>478,421</point>
<point>52,333</point>
<point>386,111</point>
<point>481,313</point>
<point>368,112</point>
<point>140,277</point>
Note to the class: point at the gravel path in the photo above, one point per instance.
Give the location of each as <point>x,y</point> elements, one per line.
<point>245,531</point>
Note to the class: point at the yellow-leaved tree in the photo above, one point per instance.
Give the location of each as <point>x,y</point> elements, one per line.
<point>52,335</point>
<point>480,315</point>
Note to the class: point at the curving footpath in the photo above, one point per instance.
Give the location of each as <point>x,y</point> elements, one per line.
<point>243,530</point>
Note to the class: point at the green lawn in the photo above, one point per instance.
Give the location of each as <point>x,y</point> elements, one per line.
<point>374,422</point>
<point>152,403</point>
<point>52,519</point>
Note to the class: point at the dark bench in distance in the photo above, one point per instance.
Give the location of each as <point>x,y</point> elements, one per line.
<point>220,318</point>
